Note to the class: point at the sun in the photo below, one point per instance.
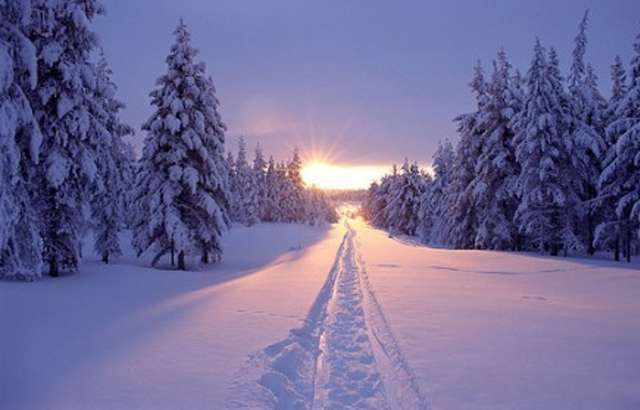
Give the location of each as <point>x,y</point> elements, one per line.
<point>341,177</point>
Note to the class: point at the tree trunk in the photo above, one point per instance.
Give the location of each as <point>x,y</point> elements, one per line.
<point>173,251</point>
<point>181,263</point>
<point>54,271</point>
<point>591,249</point>
<point>52,235</point>
<point>105,257</point>
<point>628,244</point>
<point>616,249</point>
<point>205,257</point>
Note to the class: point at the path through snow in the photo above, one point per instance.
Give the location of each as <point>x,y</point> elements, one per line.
<point>344,357</point>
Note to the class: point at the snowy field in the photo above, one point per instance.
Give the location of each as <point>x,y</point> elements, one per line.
<point>302,317</point>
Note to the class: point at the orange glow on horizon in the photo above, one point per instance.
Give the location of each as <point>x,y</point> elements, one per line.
<point>341,177</point>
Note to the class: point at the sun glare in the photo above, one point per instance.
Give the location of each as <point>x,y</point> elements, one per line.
<point>338,177</point>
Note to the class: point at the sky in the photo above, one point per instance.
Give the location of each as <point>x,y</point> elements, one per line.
<point>349,82</point>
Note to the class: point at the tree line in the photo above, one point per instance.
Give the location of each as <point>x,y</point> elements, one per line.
<point>270,191</point>
<point>67,170</point>
<point>544,163</point>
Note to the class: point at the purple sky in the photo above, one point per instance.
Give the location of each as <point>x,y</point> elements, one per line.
<point>354,82</point>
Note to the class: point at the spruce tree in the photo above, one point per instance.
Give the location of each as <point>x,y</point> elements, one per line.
<point>181,190</point>
<point>462,221</point>
<point>610,230</point>
<point>433,204</point>
<point>546,179</point>
<point>586,131</point>
<point>272,211</point>
<point>67,112</point>
<point>493,186</point>
<point>620,180</point>
<point>20,141</point>
<point>114,169</point>
<point>404,202</point>
<point>245,195</point>
<point>295,197</point>
<point>231,181</point>
<point>260,182</point>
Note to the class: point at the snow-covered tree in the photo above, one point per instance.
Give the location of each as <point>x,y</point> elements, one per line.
<point>271,207</point>
<point>20,140</point>
<point>586,129</point>
<point>231,180</point>
<point>284,194</point>
<point>260,182</point>
<point>620,180</point>
<point>544,150</point>
<point>319,208</point>
<point>295,197</point>
<point>114,169</point>
<point>462,220</point>
<point>493,187</point>
<point>433,204</point>
<point>404,200</point>
<point>378,204</point>
<point>609,232</point>
<point>67,111</point>
<point>245,195</point>
<point>181,190</point>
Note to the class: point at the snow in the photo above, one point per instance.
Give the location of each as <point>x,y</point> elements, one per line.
<point>130,336</point>
<point>494,330</point>
<point>340,316</point>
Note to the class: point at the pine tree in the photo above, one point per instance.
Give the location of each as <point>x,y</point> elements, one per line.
<point>609,232</point>
<point>181,189</point>
<point>404,202</point>
<point>381,202</point>
<point>493,186</point>
<point>260,182</point>
<point>20,140</point>
<point>586,129</point>
<point>320,210</point>
<point>245,196</point>
<point>231,181</point>
<point>433,204</point>
<point>462,221</point>
<point>295,196</point>
<point>66,109</point>
<point>114,169</point>
<point>544,153</point>
<point>620,180</point>
<point>272,210</point>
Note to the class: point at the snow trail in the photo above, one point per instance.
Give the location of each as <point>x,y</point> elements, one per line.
<point>345,356</point>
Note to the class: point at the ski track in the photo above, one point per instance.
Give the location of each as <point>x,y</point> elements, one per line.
<point>345,356</point>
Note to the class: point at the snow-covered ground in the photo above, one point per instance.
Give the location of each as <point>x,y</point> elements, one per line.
<point>495,330</point>
<point>127,336</point>
<point>301,317</point>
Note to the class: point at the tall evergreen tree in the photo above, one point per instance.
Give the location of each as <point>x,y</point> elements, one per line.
<point>433,204</point>
<point>296,197</point>
<point>272,210</point>
<point>181,189</point>
<point>462,221</point>
<point>245,196</point>
<point>493,186</point>
<point>20,141</point>
<point>404,202</point>
<point>67,111</point>
<point>544,153</point>
<point>620,180</point>
<point>260,182</point>
<point>586,130</point>
<point>609,232</point>
<point>114,169</point>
